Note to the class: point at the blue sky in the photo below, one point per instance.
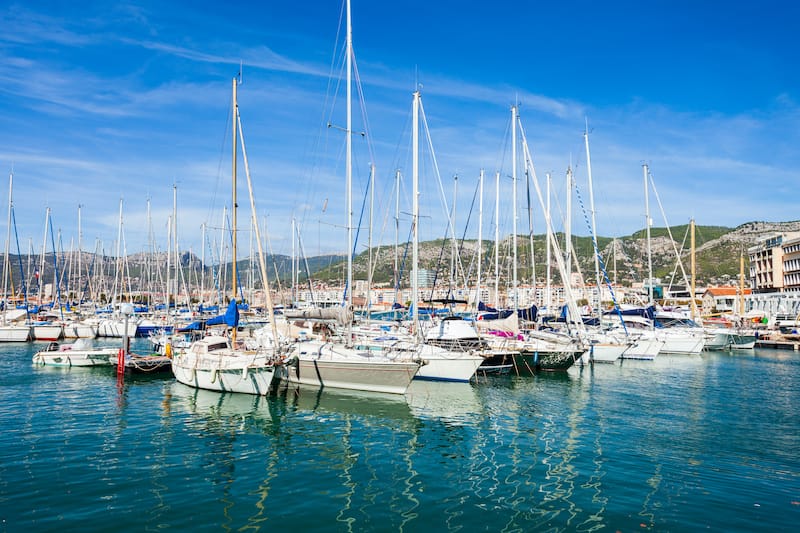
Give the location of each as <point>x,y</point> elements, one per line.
<point>101,101</point>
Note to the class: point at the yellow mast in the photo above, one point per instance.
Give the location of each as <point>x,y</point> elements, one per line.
<point>741,283</point>
<point>692,295</point>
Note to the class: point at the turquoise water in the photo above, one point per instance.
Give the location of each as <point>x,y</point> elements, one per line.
<point>679,444</point>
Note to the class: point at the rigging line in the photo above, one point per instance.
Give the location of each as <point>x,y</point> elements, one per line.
<point>602,267</point>
<point>21,270</point>
<point>355,239</point>
<point>442,197</point>
<point>55,267</point>
<point>464,236</point>
<point>402,266</point>
<point>669,232</point>
<point>305,262</point>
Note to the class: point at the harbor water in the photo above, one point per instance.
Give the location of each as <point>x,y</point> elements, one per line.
<point>676,444</point>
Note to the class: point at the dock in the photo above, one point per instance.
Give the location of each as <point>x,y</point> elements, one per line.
<point>779,345</point>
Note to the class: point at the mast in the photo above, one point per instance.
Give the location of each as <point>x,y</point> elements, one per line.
<point>397,234</point>
<point>348,301</point>
<point>480,240</point>
<point>202,262</point>
<point>415,212</point>
<point>234,205</point>
<point>80,250</point>
<point>294,263</point>
<point>694,270</point>
<point>369,245</point>
<point>169,265</point>
<point>647,230</point>
<point>548,294</point>
<point>741,283</point>
<point>6,262</point>
<point>596,250</point>
<point>175,244</point>
<point>454,243</point>
<point>44,251</point>
<point>497,238</point>
<point>514,202</point>
<point>261,260</point>
<point>568,229</point>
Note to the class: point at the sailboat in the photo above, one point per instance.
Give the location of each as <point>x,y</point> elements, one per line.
<point>337,361</point>
<point>218,362</point>
<point>12,329</point>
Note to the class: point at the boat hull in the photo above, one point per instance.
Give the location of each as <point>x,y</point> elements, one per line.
<point>47,332</point>
<point>336,367</point>
<point>15,333</point>
<point>527,362</point>
<point>244,377</point>
<point>603,353</point>
<point>80,331</point>
<point>447,365</point>
<point>644,348</point>
<point>102,357</point>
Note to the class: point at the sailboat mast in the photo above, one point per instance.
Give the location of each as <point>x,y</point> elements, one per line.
<point>647,232</point>
<point>349,171</point>
<point>415,211</point>
<point>514,202</point>
<point>568,229</point>
<point>480,240</point>
<point>44,251</point>
<point>741,283</point>
<point>202,262</point>
<point>497,238</point>
<point>234,204</point>
<point>596,250</point>
<point>397,233</point>
<point>80,252</point>
<point>174,237</point>
<point>694,270</point>
<point>6,262</point>
<point>369,245</point>
<point>548,294</point>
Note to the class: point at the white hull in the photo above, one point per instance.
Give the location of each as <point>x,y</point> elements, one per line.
<point>683,344</point>
<point>729,340</point>
<point>100,357</point>
<point>603,353</point>
<point>646,348</point>
<point>226,372</point>
<point>116,328</point>
<point>340,367</point>
<point>79,331</point>
<point>15,333</point>
<point>47,332</point>
<point>446,365</point>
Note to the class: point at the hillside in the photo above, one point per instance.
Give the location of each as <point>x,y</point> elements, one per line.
<point>717,254</point>
<point>718,251</point>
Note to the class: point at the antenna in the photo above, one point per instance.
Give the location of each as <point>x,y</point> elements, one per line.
<point>239,75</point>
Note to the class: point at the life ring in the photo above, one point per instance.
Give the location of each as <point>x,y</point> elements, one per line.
<point>168,350</point>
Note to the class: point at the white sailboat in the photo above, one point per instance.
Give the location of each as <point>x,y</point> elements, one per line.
<point>338,362</point>
<point>219,363</point>
<point>441,364</point>
<point>12,328</point>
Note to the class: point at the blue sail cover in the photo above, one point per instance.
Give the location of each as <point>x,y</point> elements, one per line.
<point>230,318</point>
<point>645,312</point>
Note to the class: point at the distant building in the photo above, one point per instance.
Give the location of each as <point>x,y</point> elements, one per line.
<point>767,262</point>
<point>722,299</point>
<point>775,275</point>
